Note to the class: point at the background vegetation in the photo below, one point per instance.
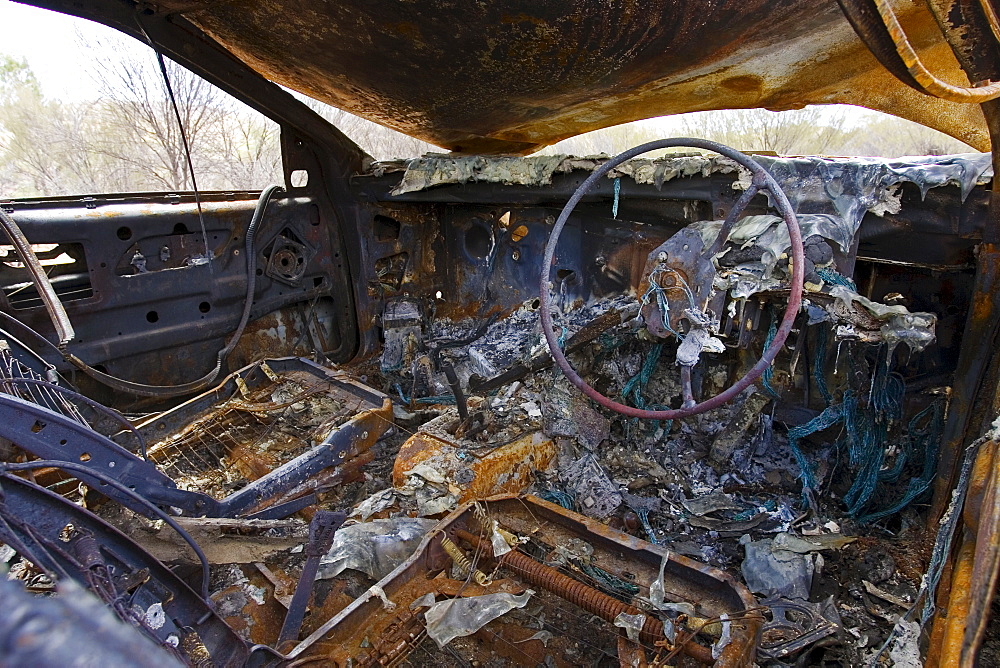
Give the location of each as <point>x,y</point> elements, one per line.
<point>126,138</point>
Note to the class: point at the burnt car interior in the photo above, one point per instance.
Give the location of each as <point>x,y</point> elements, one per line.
<point>680,406</point>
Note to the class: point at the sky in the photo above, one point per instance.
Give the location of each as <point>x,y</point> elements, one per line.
<point>49,42</point>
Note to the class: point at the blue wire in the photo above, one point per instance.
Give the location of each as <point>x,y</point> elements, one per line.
<point>614,204</point>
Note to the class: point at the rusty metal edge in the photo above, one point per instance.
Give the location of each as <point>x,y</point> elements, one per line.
<point>740,652</point>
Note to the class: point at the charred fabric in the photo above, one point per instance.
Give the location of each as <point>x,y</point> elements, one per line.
<point>709,435</point>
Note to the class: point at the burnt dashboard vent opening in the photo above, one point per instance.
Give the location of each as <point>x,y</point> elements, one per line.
<point>66,265</point>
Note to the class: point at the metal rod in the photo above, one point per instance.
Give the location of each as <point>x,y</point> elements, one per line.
<point>321,530</point>
<point>456,389</point>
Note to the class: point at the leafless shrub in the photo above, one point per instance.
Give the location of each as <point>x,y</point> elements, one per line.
<point>128,138</point>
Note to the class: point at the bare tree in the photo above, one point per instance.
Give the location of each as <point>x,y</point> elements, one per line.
<point>892,137</point>
<point>43,141</point>
<point>245,152</point>
<point>809,131</point>
<point>128,139</point>
<point>380,142</point>
<point>136,100</point>
<point>609,141</point>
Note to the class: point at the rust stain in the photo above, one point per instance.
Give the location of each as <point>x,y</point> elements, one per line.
<point>506,469</point>
<point>985,566</point>
<point>557,70</point>
<point>253,611</point>
<point>370,633</point>
<point>279,334</point>
<point>958,609</point>
<point>746,83</point>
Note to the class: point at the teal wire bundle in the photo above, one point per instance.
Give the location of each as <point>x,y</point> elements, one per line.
<point>769,505</point>
<point>636,384</point>
<point>921,440</point>
<point>660,294</point>
<point>830,416</point>
<point>438,399</point>
<point>614,584</point>
<point>867,435</point>
<point>618,192</point>
<point>819,363</point>
<point>765,377</point>
<point>833,277</point>
<point>643,514</point>
<point>868,428</point>
<point>558,497</point>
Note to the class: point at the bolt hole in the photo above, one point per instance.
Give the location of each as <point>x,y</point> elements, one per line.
<point>204,307</point>
<point>124,233</point>
<point>152,316</point>
<point>478,241</point>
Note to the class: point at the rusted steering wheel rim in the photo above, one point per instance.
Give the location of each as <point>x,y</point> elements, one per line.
<point>794,299</point>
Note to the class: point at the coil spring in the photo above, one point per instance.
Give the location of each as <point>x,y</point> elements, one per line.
<point>463,562</point>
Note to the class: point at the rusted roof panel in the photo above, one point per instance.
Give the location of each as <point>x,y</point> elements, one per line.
<point>510,76</point>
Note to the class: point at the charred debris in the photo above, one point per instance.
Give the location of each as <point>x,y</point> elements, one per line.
<point>770,348</point>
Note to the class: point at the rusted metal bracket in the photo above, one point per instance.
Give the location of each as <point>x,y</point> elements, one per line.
<point>358,631</point>
<point>321,530</point>
<point>178,614</point>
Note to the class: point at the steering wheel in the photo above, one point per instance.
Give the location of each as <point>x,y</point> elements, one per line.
<point>760,180</point>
